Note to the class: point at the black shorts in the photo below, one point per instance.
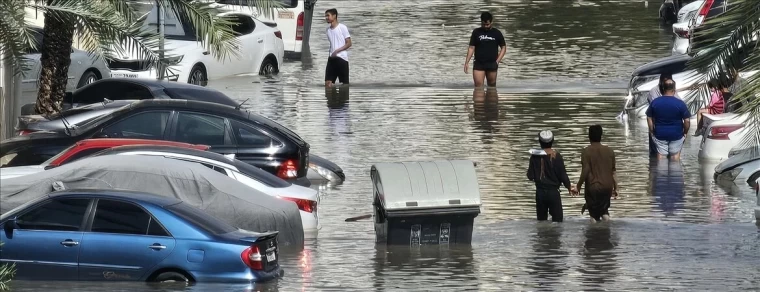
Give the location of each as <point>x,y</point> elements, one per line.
<point>485,66</point>
<point>337,69</point>
<point>598,202</point>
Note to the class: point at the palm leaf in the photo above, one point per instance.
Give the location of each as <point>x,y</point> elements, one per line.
<point>15,35</point>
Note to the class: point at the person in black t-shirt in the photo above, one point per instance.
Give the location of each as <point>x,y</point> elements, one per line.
<point>488,46</point>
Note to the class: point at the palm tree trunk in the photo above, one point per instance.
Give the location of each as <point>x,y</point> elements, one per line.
<point>54,62</point>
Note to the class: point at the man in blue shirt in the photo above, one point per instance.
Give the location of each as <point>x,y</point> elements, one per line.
<point>668,119</point>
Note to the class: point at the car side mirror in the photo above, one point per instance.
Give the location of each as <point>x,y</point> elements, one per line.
<point>8,226</point>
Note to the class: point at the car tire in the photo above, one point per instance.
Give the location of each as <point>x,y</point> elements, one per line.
<point>171,277</point>
<point>87,78</point>
<point>268,67</point>
<point>198,76</point>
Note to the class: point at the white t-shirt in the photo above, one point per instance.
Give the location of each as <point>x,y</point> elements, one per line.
<point>337,37</point>
<point>655,93</point>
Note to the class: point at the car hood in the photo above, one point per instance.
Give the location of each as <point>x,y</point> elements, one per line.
<point>742,157</point>
<point>11,172</point>
<point>660,65</point>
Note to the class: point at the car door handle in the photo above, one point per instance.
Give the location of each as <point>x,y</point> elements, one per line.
<point>157,246</point>
<point>69,242</point>
<point>205,53</point>
<point>260,41</point>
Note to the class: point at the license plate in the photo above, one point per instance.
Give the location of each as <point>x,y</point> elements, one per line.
<point>271,256</point>
<point>285,14</point>
<point>124,75</point>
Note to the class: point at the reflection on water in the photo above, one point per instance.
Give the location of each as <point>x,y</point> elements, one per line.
<point>667,185</point>
<point>599,260</point>
<point>436,267</point>
<point>549,260</point>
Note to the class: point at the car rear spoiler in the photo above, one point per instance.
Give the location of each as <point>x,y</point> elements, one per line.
<point>259,236</point>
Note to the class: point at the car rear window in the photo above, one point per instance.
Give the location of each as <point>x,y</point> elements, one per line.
<point>200,219</point>
<point>261,175</point>
<point>200,95</point>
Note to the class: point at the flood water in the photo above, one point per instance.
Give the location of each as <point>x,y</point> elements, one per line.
<point>568,64</point>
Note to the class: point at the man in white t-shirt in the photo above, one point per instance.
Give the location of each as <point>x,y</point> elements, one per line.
<point>340,41</point>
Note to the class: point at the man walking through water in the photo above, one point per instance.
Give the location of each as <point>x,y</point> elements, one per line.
<point>547,171</point>
<point>668,119</point>
<point>484,44</point>
<point>598,173</point>
<point>340,41</point>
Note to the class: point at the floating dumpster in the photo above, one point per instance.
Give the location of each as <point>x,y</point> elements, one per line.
<point>429,202</point>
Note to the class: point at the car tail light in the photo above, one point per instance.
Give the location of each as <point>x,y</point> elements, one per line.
<point>305,205</point>
<point>299,27</point>
<point>722,132</point>
<point>288,169</point>
<point>682,33</point>
<point>278,34</point>
<point>252,258</point>
<point>703,11</point>
<point>25,132</point>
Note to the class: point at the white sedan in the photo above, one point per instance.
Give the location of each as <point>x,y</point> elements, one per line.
<point>722,133</point>
<point>260,50</point>
<point>682,29</point>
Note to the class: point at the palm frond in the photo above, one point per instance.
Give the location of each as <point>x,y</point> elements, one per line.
<point>15,35</point>
<point>728,45</point>
<point>7,271</point>
<point>212,30</point>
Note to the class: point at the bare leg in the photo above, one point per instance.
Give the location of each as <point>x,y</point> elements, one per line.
<point>491,77</point>
<point>478,77</point>
<point>328,83</point>
<point>676,157</point>
<point>605,217</point>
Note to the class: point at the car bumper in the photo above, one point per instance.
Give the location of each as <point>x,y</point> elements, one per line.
<point>715,150</point>
<point>310,223</point>
<point>148,74</point>
<point>246,277</point>
<point>680,46</point>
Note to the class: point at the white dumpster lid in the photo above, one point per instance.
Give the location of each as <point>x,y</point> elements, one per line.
<point>427,184</point>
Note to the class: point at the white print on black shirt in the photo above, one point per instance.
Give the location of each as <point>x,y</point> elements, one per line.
<point>485,37</point>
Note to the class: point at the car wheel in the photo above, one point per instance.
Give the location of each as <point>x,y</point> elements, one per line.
<point>268,67</point>
<point>198,76</point>
<point>168,277</point>
<point>87,78</point>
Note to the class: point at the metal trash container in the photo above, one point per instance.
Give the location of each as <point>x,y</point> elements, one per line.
<point>430,202</point>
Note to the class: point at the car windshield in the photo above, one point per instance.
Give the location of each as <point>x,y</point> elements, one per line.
<point>200,219</point>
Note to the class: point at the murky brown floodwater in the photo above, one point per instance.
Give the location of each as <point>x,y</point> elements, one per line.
<point>674,227</point>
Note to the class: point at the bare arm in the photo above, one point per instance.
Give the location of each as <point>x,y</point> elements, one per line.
<point>584,172</point>
<point>686,126</point>
<point>502,52</point>
<point>344,47</point>
<point>470,51</point>
<point>650,124</point>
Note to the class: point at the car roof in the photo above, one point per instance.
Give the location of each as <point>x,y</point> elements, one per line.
<point>133,196</point>
<point>114,142</point>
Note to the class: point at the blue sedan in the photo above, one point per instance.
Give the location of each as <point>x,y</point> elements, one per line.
<point>130,236</point>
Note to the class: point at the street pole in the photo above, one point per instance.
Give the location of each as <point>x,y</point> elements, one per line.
<point>161,71</point>
<point>10,84</point>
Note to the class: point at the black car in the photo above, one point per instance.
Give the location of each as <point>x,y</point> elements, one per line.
<point>137,89</point>
<point>253,138</point>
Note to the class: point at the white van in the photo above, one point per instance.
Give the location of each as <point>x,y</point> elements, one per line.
<point>294,21</point>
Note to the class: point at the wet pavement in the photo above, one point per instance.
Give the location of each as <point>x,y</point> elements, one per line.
<point>568,64</point>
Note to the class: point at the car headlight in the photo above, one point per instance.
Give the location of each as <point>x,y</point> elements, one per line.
<point>640,98</point>
<point>171,61</point>
<point>731,174</point>
<point>324,172</point>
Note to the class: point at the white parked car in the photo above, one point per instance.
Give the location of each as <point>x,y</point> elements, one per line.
<point>84,69</point>
<point>682,29</point>
<point>722,133</point>
<point>305,198</point>
<point>740,166</point>
<point>260,50</point>
<point>294,21</point>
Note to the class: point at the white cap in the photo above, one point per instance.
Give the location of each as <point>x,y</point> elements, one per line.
<point>546,136</point>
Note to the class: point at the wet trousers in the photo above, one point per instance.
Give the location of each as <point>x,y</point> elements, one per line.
<point>548,202</point>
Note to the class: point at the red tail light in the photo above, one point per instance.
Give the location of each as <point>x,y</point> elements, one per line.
<point>682,33</point>
<point>299,27</point>
<point>278,34</point>
<point>25,132</point>
<point>288,169</point>
<point>703,11</point>
<point>722,132</point>
<point>308,206</point>
<point>252,258</point>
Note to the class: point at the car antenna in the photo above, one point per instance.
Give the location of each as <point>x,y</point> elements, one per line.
<point>241,104</point>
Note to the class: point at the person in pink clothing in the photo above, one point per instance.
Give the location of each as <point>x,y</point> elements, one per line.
<point>716,104</point>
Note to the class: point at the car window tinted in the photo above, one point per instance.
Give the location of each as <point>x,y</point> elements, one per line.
<point>111,90</point>
<point>123,218</point>
<point>201,94</point>
<point>200,219</point>
<point>249,136</point>
<point>56,215</point>
<point>201,129</point>
<point>148,125</point>
<point>242,25</point>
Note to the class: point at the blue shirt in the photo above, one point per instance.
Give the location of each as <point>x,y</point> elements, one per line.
<point>668,113</point>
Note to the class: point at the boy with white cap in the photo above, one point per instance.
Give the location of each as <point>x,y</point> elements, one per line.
<point>547,171</point>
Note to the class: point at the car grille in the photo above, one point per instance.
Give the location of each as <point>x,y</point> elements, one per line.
<point>128,65</point>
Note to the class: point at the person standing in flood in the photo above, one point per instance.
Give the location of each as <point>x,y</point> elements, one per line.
<point>598,173</point>
<point>485,44</point>
<point>668,119</point>
<point>547,171</point>
<point>340,42</point>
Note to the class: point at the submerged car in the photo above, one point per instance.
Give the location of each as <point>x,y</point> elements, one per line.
<point>740,166</point>
<point>723,132</point>
<point>131,236</point>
